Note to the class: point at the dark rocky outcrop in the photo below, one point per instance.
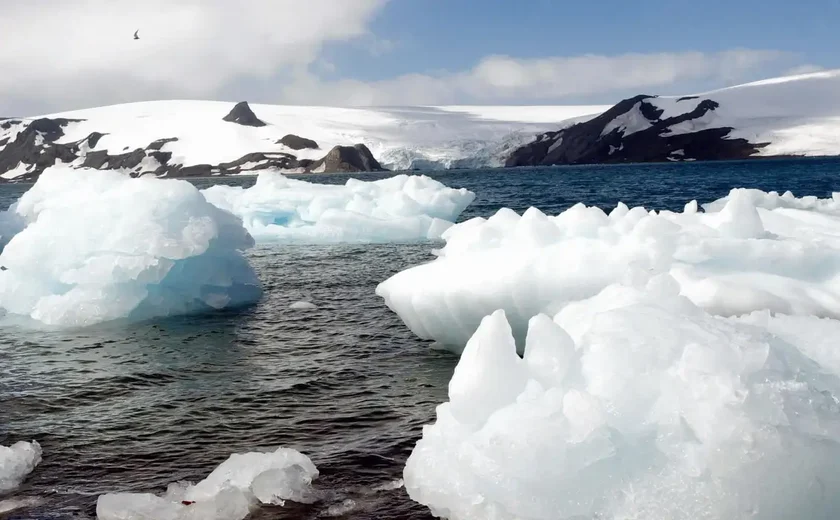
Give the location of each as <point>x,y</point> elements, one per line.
<point>296,142</point>
<point>357,158</point>
<point>157,145</point>
<point>653,140</point>
<point>260,161</point>
<point>243,115</point>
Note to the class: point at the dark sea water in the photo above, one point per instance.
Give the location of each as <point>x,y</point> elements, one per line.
<point>134,407</point>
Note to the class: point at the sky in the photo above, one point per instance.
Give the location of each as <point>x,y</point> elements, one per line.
<point>57,55</point>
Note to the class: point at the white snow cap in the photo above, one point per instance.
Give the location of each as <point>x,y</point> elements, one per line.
<point>749,251</point>
<point>17,462</point>
<point>636,403</point>
<point>230,492</point>
<point>94,246</point>
<point>399,208</point>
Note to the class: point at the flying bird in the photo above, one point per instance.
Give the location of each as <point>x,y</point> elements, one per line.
<point>136,37</point>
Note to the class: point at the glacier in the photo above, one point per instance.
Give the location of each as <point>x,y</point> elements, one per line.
<point>749,251</point>
<point>399,208</point>
<point>635,403</point>
<point>17,462</point>
<point>89,246</point>
<point>231,492</point>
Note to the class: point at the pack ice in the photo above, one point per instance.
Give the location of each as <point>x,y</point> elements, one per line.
<point>16,462</point>
<point>749,251</point>
<point>635,404</point>
<point>230,492</point>
<point>90,246</point>
<point>399,208</point>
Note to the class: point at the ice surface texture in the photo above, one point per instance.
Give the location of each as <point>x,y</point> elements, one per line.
<point>95,246</point>
<point>636,404</point>
<point>16,462</point>
<point>230,492</point>
<point>399,208</point>
<point>750,251</point>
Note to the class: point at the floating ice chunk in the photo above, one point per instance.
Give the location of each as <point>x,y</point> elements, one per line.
<point>230,492</point>
<point>665,412</point>
<point>303,306</point>
<point>750,251</point>
<point>98,246</point>
<point>400,208</point>
<point>16,462</point>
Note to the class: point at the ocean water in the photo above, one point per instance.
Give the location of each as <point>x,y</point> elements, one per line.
<point>134,407</point>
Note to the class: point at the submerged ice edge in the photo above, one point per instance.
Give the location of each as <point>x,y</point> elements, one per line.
<point>749,251</point>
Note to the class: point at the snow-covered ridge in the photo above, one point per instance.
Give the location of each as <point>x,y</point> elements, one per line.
<point>795,115</point>
<point>194,133</point>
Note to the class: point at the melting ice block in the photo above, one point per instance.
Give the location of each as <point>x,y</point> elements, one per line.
<point>16,462</point>
<point>749,251</point>
<point>94,246</point>
<point>400,208</point>
<point>230,492</point>
<point>636,403</point>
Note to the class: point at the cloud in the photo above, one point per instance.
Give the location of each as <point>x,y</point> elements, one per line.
<point>804,69</point>
<point>61,53</point>
<point>505,79</point>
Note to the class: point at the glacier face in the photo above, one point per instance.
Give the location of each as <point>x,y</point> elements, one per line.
<point>399,208</point>
<point>747,252</point>
<point>635,403</point>
<point>93,246</point>
<point>230,492</point>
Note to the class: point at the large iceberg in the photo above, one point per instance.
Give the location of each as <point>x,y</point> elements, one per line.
<point>91,246</point>
<point>230,492</point>
<point>16,462</point>
<point>637,404</point>
<point>749,251</point>
<point>399,208</point>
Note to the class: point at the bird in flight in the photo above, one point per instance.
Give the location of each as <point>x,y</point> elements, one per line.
<point>136,37</point>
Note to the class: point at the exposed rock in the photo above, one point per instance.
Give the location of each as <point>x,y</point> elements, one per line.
<point>296,142</point>
<point>260,161</point>
<point>590,142</point>
<point>243,115</point>
<point>687,98</point>
<point>355,158</point>
<point>157,145</point>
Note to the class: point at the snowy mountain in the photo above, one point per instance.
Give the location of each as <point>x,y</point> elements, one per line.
<point>198,138</point>
<point>794,115</point>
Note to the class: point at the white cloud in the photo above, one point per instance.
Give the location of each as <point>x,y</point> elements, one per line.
<point>503,78</point>
<point>60,53</point>
<point>804,69</point>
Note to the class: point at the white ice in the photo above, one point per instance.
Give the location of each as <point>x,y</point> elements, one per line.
<point>399,208</point>
<point>750,251</point>
<point>94,246</point>
<point>797,115</point>
<point>17,462</point>
<point>230,492</point>
<point>637,404</point>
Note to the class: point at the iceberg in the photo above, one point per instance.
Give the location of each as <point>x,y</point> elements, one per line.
<point>636,403</point>
<point>399,208</point>
<point>17,462</point>
<point>230,492</point>
<point>92,246</point>
<point>750,251</point>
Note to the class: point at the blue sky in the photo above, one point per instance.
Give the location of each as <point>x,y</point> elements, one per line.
<point>400,52</point>
<point>429,36</point>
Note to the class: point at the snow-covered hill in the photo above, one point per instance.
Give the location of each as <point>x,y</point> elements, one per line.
<point>793,115</point>
<point>191,133</point>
